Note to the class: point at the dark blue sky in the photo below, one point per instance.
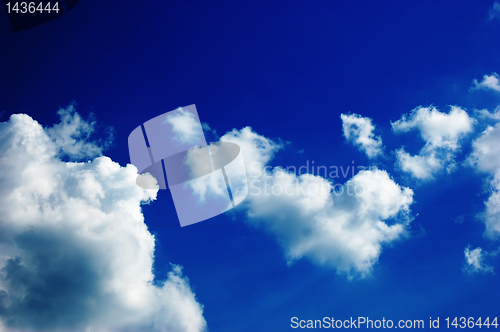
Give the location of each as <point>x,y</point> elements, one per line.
<point>288,70</point>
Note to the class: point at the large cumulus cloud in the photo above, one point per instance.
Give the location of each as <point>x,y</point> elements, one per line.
<point>311,218</point>
<point>75,253</point>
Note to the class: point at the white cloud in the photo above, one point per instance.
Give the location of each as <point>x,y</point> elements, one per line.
<point>344,231</point>
<point>474,261</point>
<point>441,133</point>
<point>495,11</point>
<point>489,81</point>
<point>75,253</point>
<point>204,186</point>
<point>71,135</point>
<point>186,128</point>
<point>486,158</point>
<point>359,131</point>
<point>147,181</point>
<point>486,150</point>
<point>438,129</point>
<point>420,166</point>
<point>487,116</point>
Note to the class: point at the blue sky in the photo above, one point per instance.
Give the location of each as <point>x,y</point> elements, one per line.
<point>288,71</point>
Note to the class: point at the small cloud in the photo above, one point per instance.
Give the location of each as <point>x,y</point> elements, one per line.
<point>474,261</point>
<point>495,11</point>
<point>72,136</point>
<point>460,219</point>
<point>147,181</point>
<point>421,166</point>
<point>358,130</point>
<point>210,133</point>
<point>489,81</point>
<point>206,127</point>
<point>441,132</point>
<point>185,126</point>
<point>484,114</point>
<point>301,151</point>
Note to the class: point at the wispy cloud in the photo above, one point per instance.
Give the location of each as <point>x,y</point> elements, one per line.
<point>72,135</point>
<point>495,11</point>
<point>358,130</point>
<point>474,261</point>
<point>489,82</point>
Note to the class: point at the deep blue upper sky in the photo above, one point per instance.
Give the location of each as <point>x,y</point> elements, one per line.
<point>287,69</point>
